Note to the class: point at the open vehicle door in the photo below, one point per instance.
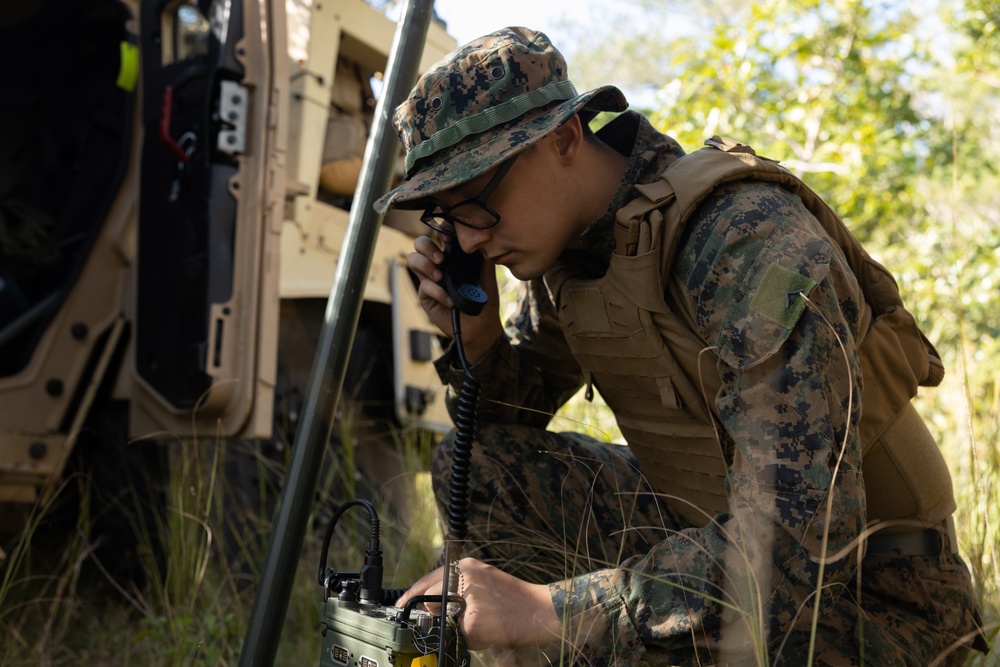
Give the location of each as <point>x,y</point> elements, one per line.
<point>213,79</point>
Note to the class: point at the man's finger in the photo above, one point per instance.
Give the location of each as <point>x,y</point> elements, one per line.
<point>424,586</point>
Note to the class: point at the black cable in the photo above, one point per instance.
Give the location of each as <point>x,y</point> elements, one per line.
<point>465,430</point>
<point>461,467</point>
<point>374,548</point>
<point>390,595</point>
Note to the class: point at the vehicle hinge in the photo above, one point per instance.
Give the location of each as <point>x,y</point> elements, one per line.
<point>233,114</point>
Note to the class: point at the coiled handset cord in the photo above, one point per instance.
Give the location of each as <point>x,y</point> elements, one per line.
<point>465,431</point>
<point>461,466</point>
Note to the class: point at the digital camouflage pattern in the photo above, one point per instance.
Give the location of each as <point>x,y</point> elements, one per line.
<point>549,506</point>
<point>484,102</point>
<point>741,587</point>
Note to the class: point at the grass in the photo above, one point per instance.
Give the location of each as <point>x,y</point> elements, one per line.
<point>971,442</point>
<point>61,604</point>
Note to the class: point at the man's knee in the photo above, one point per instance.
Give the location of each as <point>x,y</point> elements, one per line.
<point>494,447</point>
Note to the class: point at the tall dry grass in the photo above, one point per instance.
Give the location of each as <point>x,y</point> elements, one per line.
<point>59,605</point>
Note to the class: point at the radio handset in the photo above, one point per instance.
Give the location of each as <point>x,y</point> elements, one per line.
<point>461,278</point>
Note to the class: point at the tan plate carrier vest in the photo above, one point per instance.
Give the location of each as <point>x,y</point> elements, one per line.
<point>650,366</point>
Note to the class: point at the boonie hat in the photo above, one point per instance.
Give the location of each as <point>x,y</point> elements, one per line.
<point>480,104</point>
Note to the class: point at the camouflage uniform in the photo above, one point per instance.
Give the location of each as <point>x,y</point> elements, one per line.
<point>640,581</point>
<point>672,599</point>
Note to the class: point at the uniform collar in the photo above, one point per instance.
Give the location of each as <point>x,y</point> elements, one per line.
<point>649,153</point>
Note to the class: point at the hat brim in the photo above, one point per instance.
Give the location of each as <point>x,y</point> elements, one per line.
<point>465,164</point>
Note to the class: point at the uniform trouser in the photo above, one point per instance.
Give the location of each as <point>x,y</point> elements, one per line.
<point>547,506</point>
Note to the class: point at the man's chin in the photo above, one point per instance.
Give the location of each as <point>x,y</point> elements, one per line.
<point>522,272</point>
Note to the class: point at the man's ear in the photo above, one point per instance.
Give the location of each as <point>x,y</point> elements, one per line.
<point>568,139</point>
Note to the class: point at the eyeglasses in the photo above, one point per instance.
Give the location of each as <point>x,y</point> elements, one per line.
<point>473,212</point>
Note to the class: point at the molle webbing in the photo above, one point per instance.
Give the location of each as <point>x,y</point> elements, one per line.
<point>625,339</point>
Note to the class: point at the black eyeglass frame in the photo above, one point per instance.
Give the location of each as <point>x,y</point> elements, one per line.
<point>434,214</point>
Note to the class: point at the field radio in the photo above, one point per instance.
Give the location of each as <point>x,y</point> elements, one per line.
<point>360,626</point>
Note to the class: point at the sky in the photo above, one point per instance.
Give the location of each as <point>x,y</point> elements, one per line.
<point>468,19</point>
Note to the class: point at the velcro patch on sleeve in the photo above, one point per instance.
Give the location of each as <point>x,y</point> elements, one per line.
<point>769,303</point>
<point>778,297</point>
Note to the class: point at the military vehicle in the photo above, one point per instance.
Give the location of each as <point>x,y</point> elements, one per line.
<point>175,180</point>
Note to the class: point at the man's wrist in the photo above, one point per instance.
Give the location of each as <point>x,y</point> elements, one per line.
<point>482,344</point>
<point>449,367</point>
<point>546,627</point>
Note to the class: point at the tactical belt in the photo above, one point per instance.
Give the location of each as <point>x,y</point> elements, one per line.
<point>926,542</point>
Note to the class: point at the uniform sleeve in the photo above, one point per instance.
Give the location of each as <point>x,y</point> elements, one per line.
<point>531,371</point>
<point>788,411</point>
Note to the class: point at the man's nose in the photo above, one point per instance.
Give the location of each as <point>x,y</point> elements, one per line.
<point>471,239</point>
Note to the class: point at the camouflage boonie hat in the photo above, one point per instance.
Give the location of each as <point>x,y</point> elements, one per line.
<point>479,105</point>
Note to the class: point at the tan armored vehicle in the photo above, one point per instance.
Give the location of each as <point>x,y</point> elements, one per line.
<point>175,179</point>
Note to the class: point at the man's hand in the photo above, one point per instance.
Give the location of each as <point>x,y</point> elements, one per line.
<point>500,609</point>
<point>479,333</point>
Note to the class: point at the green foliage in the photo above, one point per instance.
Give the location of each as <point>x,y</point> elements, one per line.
<point>815,85</point>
